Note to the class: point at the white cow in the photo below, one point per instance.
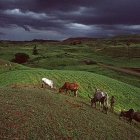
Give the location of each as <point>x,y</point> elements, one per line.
<point>48,82</point>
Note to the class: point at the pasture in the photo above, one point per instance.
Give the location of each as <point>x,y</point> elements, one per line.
<point>126,95</point>
<point>42,114</point>
<point>72,57</point>
<point>28,111</point>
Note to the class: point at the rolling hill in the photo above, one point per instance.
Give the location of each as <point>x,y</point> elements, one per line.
<point>28,111</point>
<point>127,96</point>
<point>32,113</point>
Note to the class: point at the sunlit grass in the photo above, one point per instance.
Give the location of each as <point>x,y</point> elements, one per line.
<point>127,96</point>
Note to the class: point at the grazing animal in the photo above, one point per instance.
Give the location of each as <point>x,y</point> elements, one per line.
<point>47,82</point>
<point>127,114</point>
<point>101,97</point>
<point>112,102</point>
<point>136,116</point>
<point>73,87</point>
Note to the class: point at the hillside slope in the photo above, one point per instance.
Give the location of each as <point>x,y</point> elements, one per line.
<point>127,96</point>
<point>42,114</point>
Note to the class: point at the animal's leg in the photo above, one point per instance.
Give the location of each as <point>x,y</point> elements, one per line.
<point>91,104</point>
<point>75,93</point>
<point>112,108</point>
<point>105,109</point>
<point>66,91</point>
<point>130,120</point>
<point>42,85</point>
<point>102,105</point>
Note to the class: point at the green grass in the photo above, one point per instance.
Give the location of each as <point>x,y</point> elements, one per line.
<point>127,96</point>
<point>107,54</point>
<point>58,56</point>
<point>126,78</point>
<point>42,114</point>
<point>29,112</point>
<point>66,57</point>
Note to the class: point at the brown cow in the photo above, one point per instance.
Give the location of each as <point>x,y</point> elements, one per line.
<point>127,114</point>
<point>136,116</point>
<point>73,87</point>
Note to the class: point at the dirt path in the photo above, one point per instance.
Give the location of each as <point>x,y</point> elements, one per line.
<point>120,69</point>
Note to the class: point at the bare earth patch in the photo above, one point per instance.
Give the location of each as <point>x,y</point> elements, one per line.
<point>124,70</point>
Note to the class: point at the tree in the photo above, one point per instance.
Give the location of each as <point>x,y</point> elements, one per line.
<point>35,51</point>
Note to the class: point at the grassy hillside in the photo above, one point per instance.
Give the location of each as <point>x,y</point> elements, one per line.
<point>28,111</point>
<point>71,57</point>
<point>42,114</point>
<point>98,51</point>
<point>127,96</point>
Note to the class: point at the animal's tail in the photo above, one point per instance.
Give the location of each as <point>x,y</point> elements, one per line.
<point>89,96</point>
<point>107,98</point>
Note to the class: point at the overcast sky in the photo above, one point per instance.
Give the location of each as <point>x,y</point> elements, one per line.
<point>61,19</point>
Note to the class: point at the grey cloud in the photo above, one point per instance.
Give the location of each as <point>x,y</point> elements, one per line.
<point>26,28</point>
<point>110,17</point>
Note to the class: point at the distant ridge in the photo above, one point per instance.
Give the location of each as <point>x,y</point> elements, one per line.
<point>83,39</point>
<point>127,38</point>
<point>42,40</point>
<point>135,36</point>
<point>132,38</point>
<point>34,40</point>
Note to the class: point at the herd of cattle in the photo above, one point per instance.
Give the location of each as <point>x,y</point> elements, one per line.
<point>99,96</point>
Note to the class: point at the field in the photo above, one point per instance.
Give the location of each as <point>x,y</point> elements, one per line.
<point>30,112</point>
<point>41,114</point>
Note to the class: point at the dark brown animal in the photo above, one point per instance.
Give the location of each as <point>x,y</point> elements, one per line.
<point>136,116</point>
<point>127,114</point>
<point>73,87</point>
<point>112,102</point>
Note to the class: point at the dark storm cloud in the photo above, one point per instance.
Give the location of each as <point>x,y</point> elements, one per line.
<point>72,17</point>
<point>26,28</point>
<point>1,33</point>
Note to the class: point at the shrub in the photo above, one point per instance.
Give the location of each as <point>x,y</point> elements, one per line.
<point>21,58</point>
